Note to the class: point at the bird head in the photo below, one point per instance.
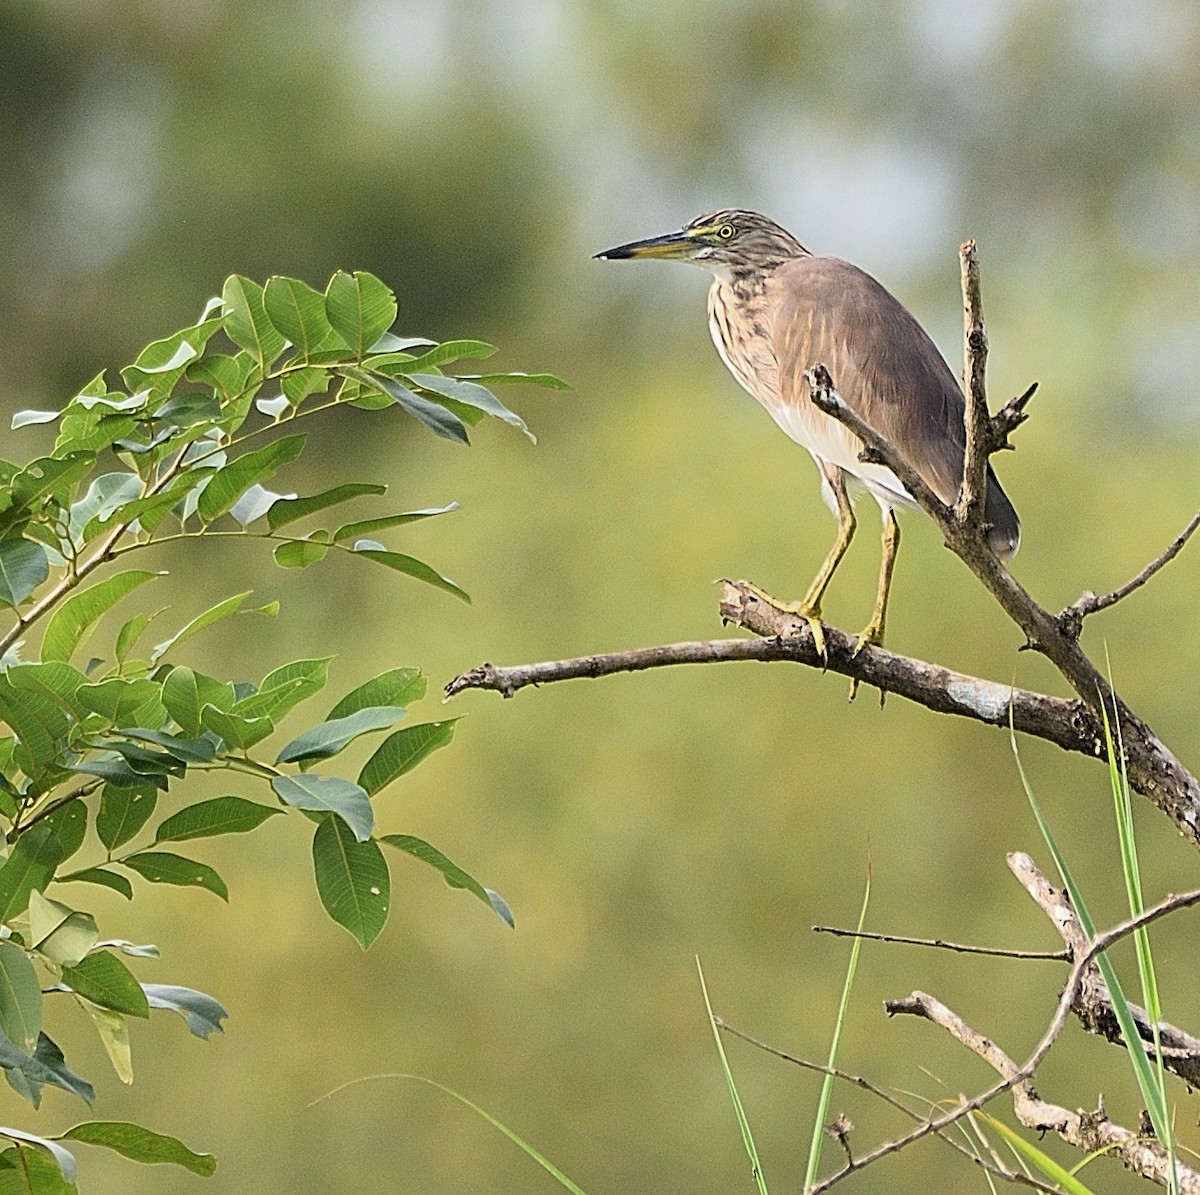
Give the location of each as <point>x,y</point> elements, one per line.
<point>729,243</point>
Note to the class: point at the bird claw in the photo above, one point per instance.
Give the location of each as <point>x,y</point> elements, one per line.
<point>809,614</point>
<point>872,635</point>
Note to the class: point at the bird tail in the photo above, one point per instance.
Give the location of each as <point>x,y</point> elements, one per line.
<point>1004,531</point>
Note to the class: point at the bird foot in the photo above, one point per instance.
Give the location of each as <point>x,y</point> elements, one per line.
<point>809,614</point>
<point>870,635</point>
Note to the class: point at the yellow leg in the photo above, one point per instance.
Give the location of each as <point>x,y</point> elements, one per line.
<point>873,632</point>
<point>809,606</point>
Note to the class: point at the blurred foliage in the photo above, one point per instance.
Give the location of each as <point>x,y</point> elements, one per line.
<point>473,155</point>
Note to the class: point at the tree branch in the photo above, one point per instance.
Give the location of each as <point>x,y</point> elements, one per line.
<point>1072,617</point>
<point>1090,1132</point>
<point>1093,1005</point>
<point>969,509</point>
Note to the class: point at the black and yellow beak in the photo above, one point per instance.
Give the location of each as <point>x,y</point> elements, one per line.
<point>674,246</point>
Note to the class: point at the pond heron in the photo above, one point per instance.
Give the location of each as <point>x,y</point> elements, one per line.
<point>774,311</point>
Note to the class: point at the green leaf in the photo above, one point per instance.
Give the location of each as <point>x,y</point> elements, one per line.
<point>453,350</point>
<point>300,553</point>
<point>451,872</point>
<point>69,824</point>
<point>114,1037</point>
<point>31,865</point>
<point>162,867</point>
<point>23,567</point>
<point>187,751</point>
<point>548,380</point>
<point>123,812</point>
<point>202,1013</point>
<point>433,415</point>
<point>58,682</point>
<point>20,998</point>
<point>397,686</point>
<point>122,700</point>
<point>368,526</point>
<point>222,610</point>
<point>185,694</point>
<point>328,794</point>
<point>352,880</point>
<point>140,1145</point>
<point>298,312</point>
<point>129,634</point>
<point>289,510</point>
<point>360,308</point>
<point>298,384</point>
<point>235,478</point>
<point>37,1173</point>
<point>101,876</point>
<point>104,980</point>
<point>235,731</point>
<point>73,621</point>
<point>402,751</point>
<point>160,365</point>
<point>221,815</point>
<point>46,1065</point>
<point>226,375</point>
<point>246,323</point>
<point>329,738</point>
<point>148,512</point>
<point>285,688</point>
<point>472,395</point>
<point>186,410</point>
<point>409,565</point>
<point>60,933</point>
<point>38,723</point>
<point>41,478</point>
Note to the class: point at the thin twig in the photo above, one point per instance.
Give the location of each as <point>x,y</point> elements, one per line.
<point>969,509</point>
<point>1072,617</point>
<point>1058,956</point>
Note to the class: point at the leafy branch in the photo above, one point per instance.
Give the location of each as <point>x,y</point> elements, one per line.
<point>181,450</point>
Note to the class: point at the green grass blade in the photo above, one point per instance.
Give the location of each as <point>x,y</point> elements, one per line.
<point>1036,1158</point>
<point>818,1135</point>
<point>543,1162</point>
<point>739,1111</point>
<point>1123,805</point>
<point>1152,1095</point>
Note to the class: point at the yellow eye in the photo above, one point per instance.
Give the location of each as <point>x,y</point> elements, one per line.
<point>726,231</point>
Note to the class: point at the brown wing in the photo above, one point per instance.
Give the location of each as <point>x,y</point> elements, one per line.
<point>886,368</point>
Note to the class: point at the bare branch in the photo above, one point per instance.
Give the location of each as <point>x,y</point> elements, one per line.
<point>970,505</point>
<point>1089,1132</point>
<point>1093,1005</point>
<point>1072,617</point>
<point>1057,956</point>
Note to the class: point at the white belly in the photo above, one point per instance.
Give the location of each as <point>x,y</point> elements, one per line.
<point>825,438</point>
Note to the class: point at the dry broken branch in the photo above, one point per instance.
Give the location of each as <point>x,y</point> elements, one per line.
<point>1087,1131</point>
<point>1092,1004</point>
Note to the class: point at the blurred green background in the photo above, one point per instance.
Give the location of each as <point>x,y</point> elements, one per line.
<point>474,154</point>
